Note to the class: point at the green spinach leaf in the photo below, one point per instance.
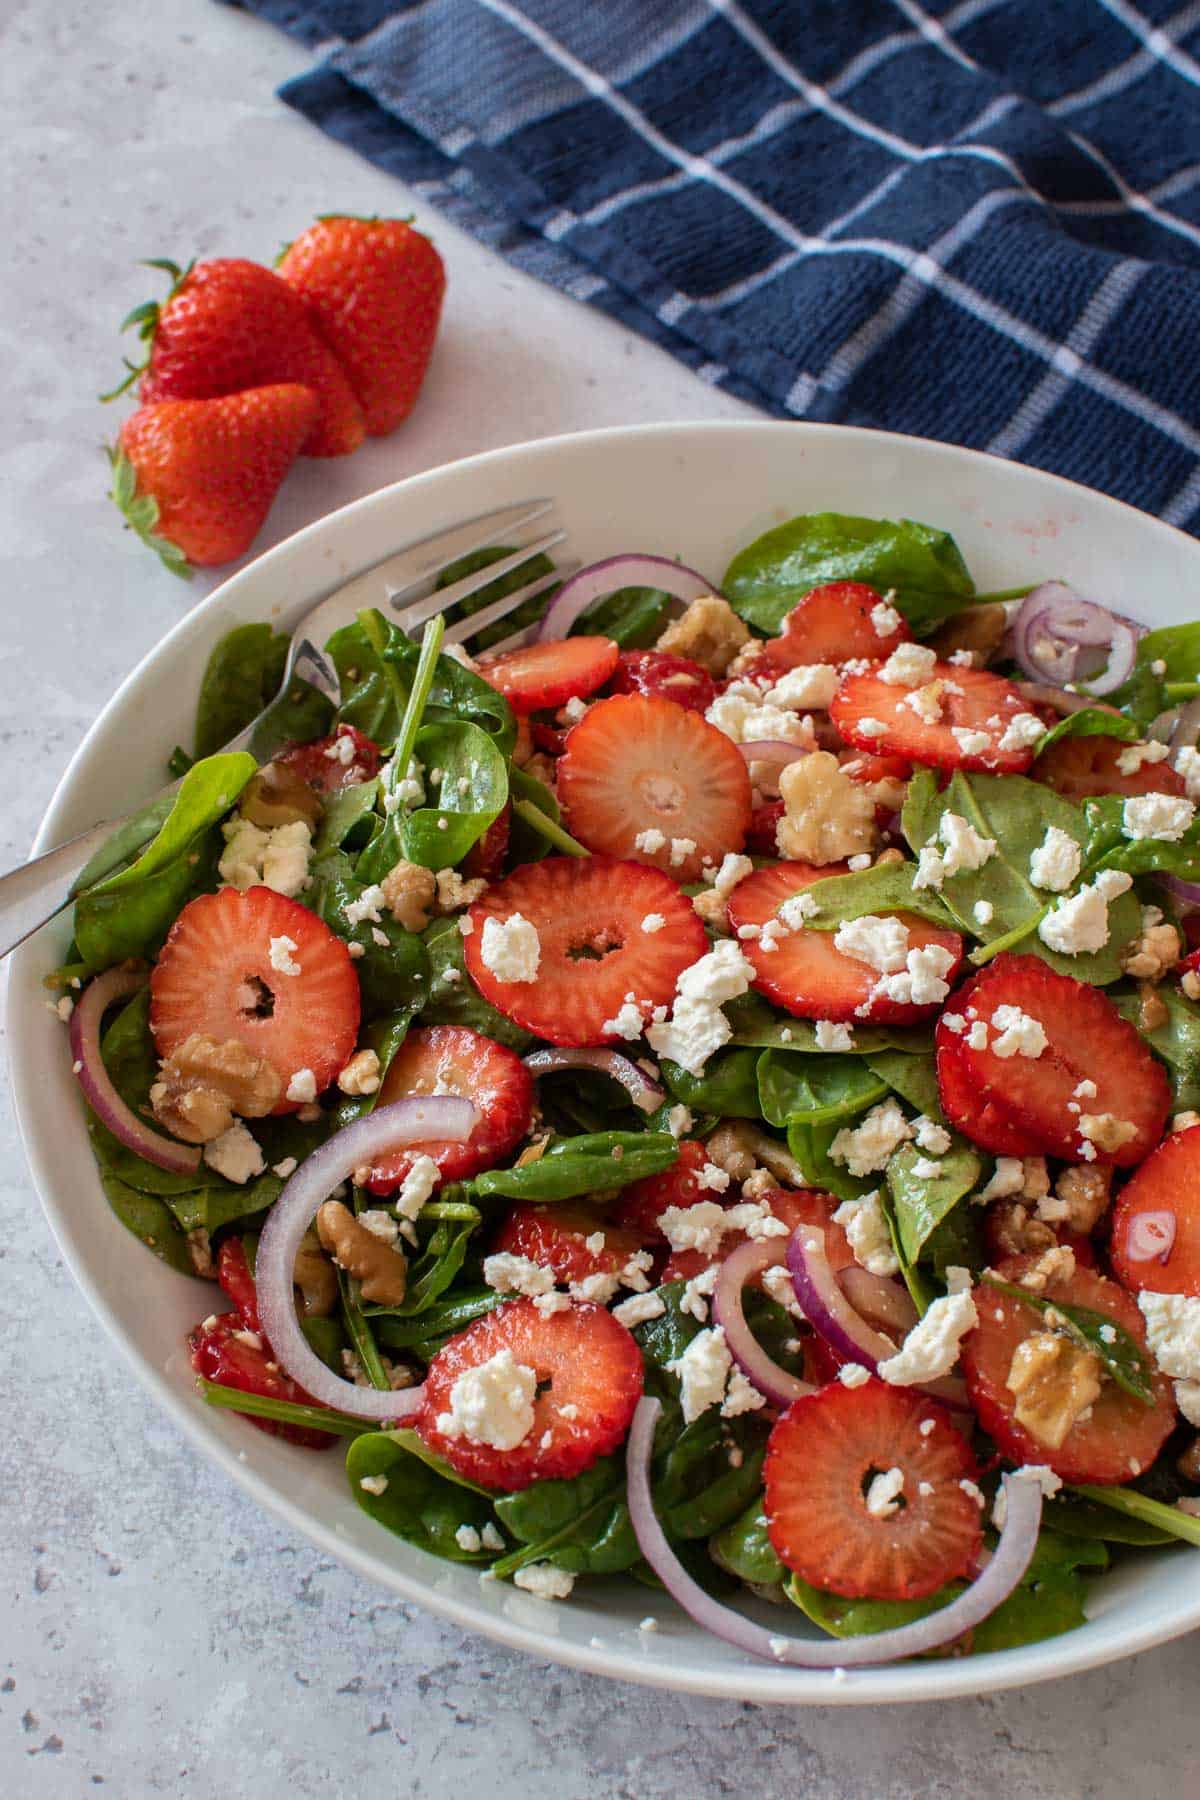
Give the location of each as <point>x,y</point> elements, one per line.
<point>728,1087</point>
<point>744,1550</point>
<point>756,1025</point>
<point>424,1501</point>
<point>799,1089</point>
<point>1109,848</point>
<point>594,1163</point>
<point>242,675</point>
<point>581,1525</point>
<point>633,617</point>
<point>343,813</point>
<point>393,976</point>
<point>920,1201</point>
<point>886,888</point>
<point>453,997</point>
<point>1177,1042</point>
<point>1146,1511</point>
<point>1090,721</point>
<point>149,1219</point>
<point>472,793</point>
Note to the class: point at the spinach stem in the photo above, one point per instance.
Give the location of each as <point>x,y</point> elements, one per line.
<point>1140,1506</point>
<point>553,834</point>
<point>1017,593</point>
<point>287,1412</point>
<point>410,724</point>
<point>359,1333</point>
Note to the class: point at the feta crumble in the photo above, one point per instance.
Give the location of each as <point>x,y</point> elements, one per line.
<point>638,1309</point>
<point>703,1370</point>
<point>867,1234</point>
<point>510,948</point>
<point>909,665</point>
<point>235,1154</point>
<point>492,1403</point>
<point>1081,923</point>
<point>302,1087</point>
<point>697,1026</point>
<point>544,1580</point>
<point>931,1348</point>
<point>1164,817</point>
<point>866,1147</point>
<point>1019,1033</point>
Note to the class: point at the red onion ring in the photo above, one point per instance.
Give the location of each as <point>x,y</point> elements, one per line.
<point>97,1084</point>
<point>1151,1237</point>
<point>1058,700</point>
<point>879,1298</point>
<point>776,753</point>
<point>829,1311</point>
<point>413,1121</point>
<point>602,578</point>
<point>1187,892</point>
<point>645,1094</point>
<point>1004,1570</point>
<point>750,1259</point>
<point>1060,637</point>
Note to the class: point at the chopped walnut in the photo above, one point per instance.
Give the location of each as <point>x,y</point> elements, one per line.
<point>203,1083</point>
<point>827,816</point>
<point>1056,1264</point>
<point>1055,1382</point>
<point>361,1073</point>
<point>1189,1463</point>
<point>729,1147</point>
<point>1015,1231</point>
<point>979,629</point>
<point>410,891</point>
<point>277,796</point>
<point>453,893</point>
<point>200,1254</point>
<point>711,907</point>
<point>1106,1131</point>
<point>314,1275</point>
<point>380,1270</point>
<point>1080,1197</point>
<point>774,1156</point>
<point>1153,954</point>
<point>758,1184</point>
<point>1152,1008</point>
<point>709,632</point>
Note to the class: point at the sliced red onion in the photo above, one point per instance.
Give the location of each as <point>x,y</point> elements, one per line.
<point>1060,637</point>
<point>1185,729</point>
<point>748,1260</point>
<point>1058,700</point>
<point>829,1311</point>
<point>645,1093</point>
<point>1151,1237</point>
<point>879,1298</point>
<point>1187,892</point>
<point>775,753</point>
<point>414,1121</point>
<point>1018,1541</point>
<point>97,1084</point>
<point>603,578</point>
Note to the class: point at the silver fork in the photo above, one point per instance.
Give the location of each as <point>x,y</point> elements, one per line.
<point>402,586</point>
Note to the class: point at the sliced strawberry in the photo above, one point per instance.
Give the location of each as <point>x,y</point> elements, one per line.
<point>868,770</point>
<point>666,677</point>
<point>1079,766</point>
<point>1118,1436</point>
<point>806,973</point>
<point>453,1059</point>
<point>637,764</point>
<point>545,675</point>
<point>589,1372</point>
<point>550,738</point>
<point>794,1206</point>
<point>233,1273</point>
<point>639,1207</point>
<point>1088,1042</point>
<point>234,1355</point>
<point>764,823</point>
<point>564,1238</point>
<point>486,856</point>
<point>1156,1220</point>
<point>330,764</point>
<point>215,976</point>
<point>978,706</point>
<point>588,913</point>
<point>822,1458</point>
<point>835,624</point>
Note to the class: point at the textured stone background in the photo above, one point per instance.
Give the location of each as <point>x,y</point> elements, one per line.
<point>158,1635</point>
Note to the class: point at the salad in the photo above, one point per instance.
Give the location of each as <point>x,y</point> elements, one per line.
<point>708,1093</point>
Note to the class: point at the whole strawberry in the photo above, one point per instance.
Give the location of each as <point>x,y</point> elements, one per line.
<point>195,478</point>
<point>374,289</point>
<point>230,324</point>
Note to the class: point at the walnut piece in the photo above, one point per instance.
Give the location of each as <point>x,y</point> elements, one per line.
<point>730,1148</point>
<point>1016,1232</point>
<point>203,1084</point>
<point>1152,1008</point>
<point>453,893</point>
<point>1152,955</point>
<point>1189,1462</point>
<point>1080,1197</point>
<point>1055,1382</point>
<point>314,1275</point>
<point>380,1270</point>
<point>410,891</point>
<point>361,1073</point>
<point>979,629</point>
<point>1106,1131</point>
<point>827,816</point>
<point>711,907</point>
<point>709,632</point>
<point>200,1254</point>
<point>277,796</point>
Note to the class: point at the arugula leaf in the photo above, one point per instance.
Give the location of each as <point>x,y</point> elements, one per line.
<point>581,1525</point>
<point>794,1088</point>
<point>921,1202</point>
<point>921,566</point>
<point>1122,1356</point>
<point>1016,813</point>
<point>744,1549</point>
<point>594,1163</point>
<point>1177,1042</point>
<point>243,673</point>
<point>1090,721</point>
<point>130,913</point>
<point>424,1501</point>
<point>453,997</point>
<point>728,1088</point>
<point>886,888</point>
<point>1137,1506</point>
<point>392,976</point>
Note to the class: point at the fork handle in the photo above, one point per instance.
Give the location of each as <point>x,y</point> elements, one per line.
<point>39,890</point>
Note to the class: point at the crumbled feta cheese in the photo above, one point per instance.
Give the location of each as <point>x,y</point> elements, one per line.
<point>867,1233</point>
<point>741,1396</point>
<point>235,1154</point>
<point>853,1375</point>
<point>694,1298</point>
<point>866,1147</point>
<point>1048,1481</point>
<point>703,1370</point>
<point>830,1036</point>
<point>285,1168</point>
<point>809,685</point>
<point>925,1169</point>
<point>882,942</point>
<point>926,702</point>
<point>733,870</point>
<point>492,1403</point>
<point>64,1008</point>
<point>1008,1177</point>
<point>697,1026</point>
<point>679,1120</point>
<point>971,743</point>
<point>638,1309</point>
<point>797,910</point>
<point>871,728</point>
<point>681,849</point>
<point>699,1227</point>
<point>857,864</point>
<point>964,849</point>
<point>1173,1332</point>
<point>1187,1399</point>
<point>930,1135</point>
<point>1022,732</point>
<point>954,1022</point>
<point>883,1495</point>
<point>1081,923</point>
<point>650,842</point>
<point>302,1087</point>
<point>744,715</point>
<point>453,893</point>
<point>509,1274</point>
<point>1132,757</point>
<point>416,1187</point>
<point>380,1224</point>
<point>627,1022</point>
<point>885,619</point>
<point>1164,817</point>
<point>909,665</point>
<point>369,906</point>
<point>931,1348</point>
<point>1187,764</point>
<point>983,912</point>
<point>544,1580</point>
<point>277,858</point>
<point>468,1539</point>
<point>1019,1033</point>
<point>510,948</point>
<point>653,922</point>
<point>374,1484</point>
<point>777,1280</point>
<point>711,1176</point>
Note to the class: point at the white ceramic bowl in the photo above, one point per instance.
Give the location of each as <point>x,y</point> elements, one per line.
<point>700,492</point>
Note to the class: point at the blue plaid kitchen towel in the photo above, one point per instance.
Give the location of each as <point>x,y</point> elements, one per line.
<point>975,220</point>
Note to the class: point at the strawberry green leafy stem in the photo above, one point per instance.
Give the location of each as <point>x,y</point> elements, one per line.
<point>141,512</point>
<point>145,317</point>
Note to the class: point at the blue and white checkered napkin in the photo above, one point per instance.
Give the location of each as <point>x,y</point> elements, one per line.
<point>976,221</point>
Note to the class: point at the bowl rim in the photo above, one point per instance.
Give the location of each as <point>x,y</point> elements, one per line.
<point>761,1683</point>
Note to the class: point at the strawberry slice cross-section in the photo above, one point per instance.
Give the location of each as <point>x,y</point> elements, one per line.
<point>840,621</point>
<point>544,675</point>
<point>453,1059</point>
<point>613,939</point>
<point>959,719</point>
<point>1156,1220</point>
<point>644,778</point>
